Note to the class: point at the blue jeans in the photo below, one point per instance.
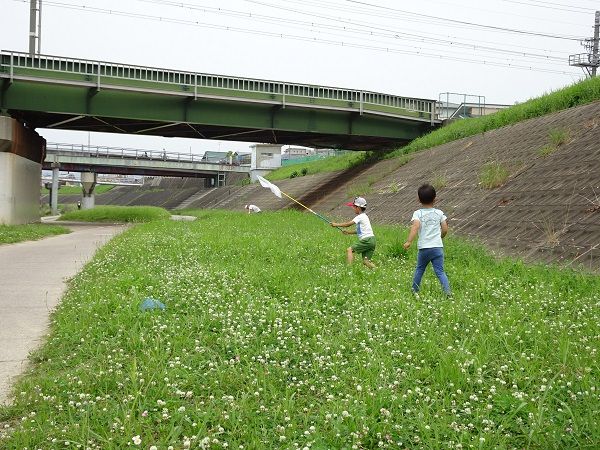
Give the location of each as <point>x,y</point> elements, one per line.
<point>436,257</point>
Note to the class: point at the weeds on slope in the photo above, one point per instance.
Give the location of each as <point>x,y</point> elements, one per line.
<point>269,340</point>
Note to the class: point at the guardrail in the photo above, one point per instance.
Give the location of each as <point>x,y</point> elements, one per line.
<point>99,151</point>
<point>105,74</point>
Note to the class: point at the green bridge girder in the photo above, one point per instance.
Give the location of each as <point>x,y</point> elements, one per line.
<point>74,94</point>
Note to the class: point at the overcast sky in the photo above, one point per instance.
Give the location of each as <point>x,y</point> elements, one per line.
<point>505,50</point>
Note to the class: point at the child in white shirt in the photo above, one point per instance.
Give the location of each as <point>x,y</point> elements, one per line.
<point>431,226</point>
<point>366,238</point>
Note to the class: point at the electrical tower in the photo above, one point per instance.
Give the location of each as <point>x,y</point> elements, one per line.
<point>589,61</point>
<point>35,26</point>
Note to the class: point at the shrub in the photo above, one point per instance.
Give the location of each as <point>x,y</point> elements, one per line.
<point>294,174</point>
<point>304,171</point>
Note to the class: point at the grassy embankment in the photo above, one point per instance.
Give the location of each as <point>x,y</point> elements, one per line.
<point>269,340</point>
<point>70,190</point>
<point>117,214</point>
<point>581,93</point>
<point>10,234</point>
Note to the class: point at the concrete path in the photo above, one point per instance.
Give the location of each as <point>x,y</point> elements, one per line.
<point>32,281</point>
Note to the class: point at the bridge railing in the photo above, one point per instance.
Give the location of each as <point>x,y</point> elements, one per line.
<point>105,74</point>
<point>100,151</point>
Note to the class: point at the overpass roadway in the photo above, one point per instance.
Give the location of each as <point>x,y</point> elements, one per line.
<point>83,158</point>
<point>77,94</point>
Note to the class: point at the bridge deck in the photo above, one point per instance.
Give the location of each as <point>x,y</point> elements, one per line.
<point>260,108</point>
<point>82,158</point>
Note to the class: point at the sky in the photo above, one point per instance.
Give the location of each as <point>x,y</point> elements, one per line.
<point>504,50</point>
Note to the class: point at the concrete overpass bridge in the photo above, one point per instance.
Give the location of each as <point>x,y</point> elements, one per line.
<point>91,160</point>
<point>76,94</point>
<point>129,161</point>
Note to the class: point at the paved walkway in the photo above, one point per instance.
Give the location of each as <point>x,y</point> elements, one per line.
<point>32,281</point>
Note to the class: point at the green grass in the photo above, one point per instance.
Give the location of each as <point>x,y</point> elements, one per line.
<point>31,232</point>
<point>581,93</point>
<point>70,190</point>
<point>118,214</point>
<point>493,175</point>
<point>359,190</point>
<point>269,340</point>
<point>559,137</point>
<point>547,150</point>
<point>439,181</point>
<point>331,164</point>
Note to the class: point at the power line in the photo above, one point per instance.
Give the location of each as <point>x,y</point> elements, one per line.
<point>473,24</point>
<point>296,37</point>
<point>335,6</point>
<point>554,6</point>
<point>506,12</point>
<point>387,34</point>
<point>568,9</point>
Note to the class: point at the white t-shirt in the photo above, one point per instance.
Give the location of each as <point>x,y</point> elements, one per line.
<point>363,226</point>
<point>254,208</point>
<point>430,231</point>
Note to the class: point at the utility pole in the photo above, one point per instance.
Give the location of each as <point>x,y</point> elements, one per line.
<point>595,56</point>
<point>589,61</point>
<point>35,26</point>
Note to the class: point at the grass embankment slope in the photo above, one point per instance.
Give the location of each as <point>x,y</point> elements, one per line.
<point>269,340</point>
<point>330,164</point>
<point>117,214</point>
<point>578,94</point>
<point>10,234</point>
<point>70,190</point>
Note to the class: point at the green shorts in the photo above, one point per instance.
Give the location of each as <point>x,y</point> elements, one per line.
<point>365,246</point>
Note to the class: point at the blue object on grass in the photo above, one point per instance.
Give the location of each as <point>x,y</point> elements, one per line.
<point>150,303</point>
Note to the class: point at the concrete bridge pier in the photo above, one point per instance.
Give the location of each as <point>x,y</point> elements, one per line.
<point>22,152</point>
<point>54,189</point>
<point>88,183</point>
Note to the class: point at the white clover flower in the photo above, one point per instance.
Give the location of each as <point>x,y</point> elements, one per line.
<point>137,440</point>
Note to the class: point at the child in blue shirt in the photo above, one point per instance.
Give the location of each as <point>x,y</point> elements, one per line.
<point>431,226</point>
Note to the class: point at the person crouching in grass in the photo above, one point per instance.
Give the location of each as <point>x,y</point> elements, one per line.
<point>366,239</point>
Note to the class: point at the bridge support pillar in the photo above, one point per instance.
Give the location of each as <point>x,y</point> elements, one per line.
<point>88,183</point>
<point>54,190</point>
<point>21,154</point>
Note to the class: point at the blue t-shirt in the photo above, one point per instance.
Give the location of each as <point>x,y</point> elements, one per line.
<point>430,231</point>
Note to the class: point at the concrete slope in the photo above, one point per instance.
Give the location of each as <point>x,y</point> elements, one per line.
<point>34,276</point>
<point>548,209</point>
